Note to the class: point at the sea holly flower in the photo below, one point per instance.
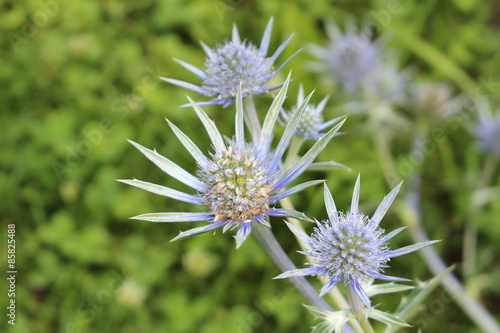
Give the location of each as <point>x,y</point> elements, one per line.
<point>240,183</point>
<point>233,63</point>
<point>311,124</point>
<point>359,65</point>
<point>348,57</point>
<point>350,247</point>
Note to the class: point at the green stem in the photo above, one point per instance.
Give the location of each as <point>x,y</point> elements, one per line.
<point>266,238</point>
<point>385,157</point>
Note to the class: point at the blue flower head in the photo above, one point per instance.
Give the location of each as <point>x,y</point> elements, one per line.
<point>349,57</point>
<point>240,183</point>
<point>311,124</point>
<point>350,247</point>
<point>359,65</point>
<point>487,128</point>
<point>233,63</point>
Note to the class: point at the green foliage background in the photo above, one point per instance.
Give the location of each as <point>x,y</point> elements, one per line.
<point>79,77</point>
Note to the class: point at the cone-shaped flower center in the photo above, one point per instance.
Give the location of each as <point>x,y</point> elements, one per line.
<point>348,247</point>
<point>239,185</point>
<point>309,125</point>
<point>233,63</point>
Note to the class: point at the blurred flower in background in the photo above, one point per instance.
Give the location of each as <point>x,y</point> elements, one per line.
<point>487,128</point>
<point>359,65</point>
<point>200,263</point>
<point>130,294</point>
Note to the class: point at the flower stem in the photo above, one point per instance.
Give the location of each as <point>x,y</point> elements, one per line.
<point>266,238</point>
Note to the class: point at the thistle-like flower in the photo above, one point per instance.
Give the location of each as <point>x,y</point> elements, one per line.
<point>240,182</point>
<point>348,57</point>
<point>359,65</point>
<point>311,125</point>
<point>233,63</point>
<point>487,128</point>
<point>350,247</point>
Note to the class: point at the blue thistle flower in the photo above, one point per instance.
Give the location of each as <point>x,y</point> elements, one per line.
<point>311,124</point>
<point>239,183</point>
<point>359,65</point>
<point>350,247</point>
<point>487,128</point>
<point>348,57</point>
<point>233,63</point>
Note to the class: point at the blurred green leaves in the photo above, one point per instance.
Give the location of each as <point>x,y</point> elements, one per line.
<point>80,77</point>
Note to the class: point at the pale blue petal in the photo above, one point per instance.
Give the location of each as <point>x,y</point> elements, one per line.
<point>264,44</point>
<point>236,35</point>
<point>207,50</point>
<point>212,130</point>
<point>328,286</point>
<point>165,191</point>
<point>289,131</point>
<point>298,272</point>
<point>298,233</point>
<point>175,217</point>
<point>228,226</point>
<point>189,144</point>
<point>268,128</point>
<point>280,212</point>
<point>187,85</point>
<point>302,164</point>
<point>321,105</point>
<point>243,232</point>
<point>331,209</point>
<point>239,122</point>
<point>295,189</point>
<point>377,275</point>
<point>192,69</point>
<point>360,292</point>
<point>300,95</point>
<point>286,62</point>
<point>409,249</point>
<point>330,123</point>
<point>171,168</point>
<point>262,220</point>
<point>355,196</point>
<point>281,48</point>
<point>391,234</point>
<point>197,230</point>
<point>385,204</point>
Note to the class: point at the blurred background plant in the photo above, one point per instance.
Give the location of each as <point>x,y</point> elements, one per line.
<point>79,77</point>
